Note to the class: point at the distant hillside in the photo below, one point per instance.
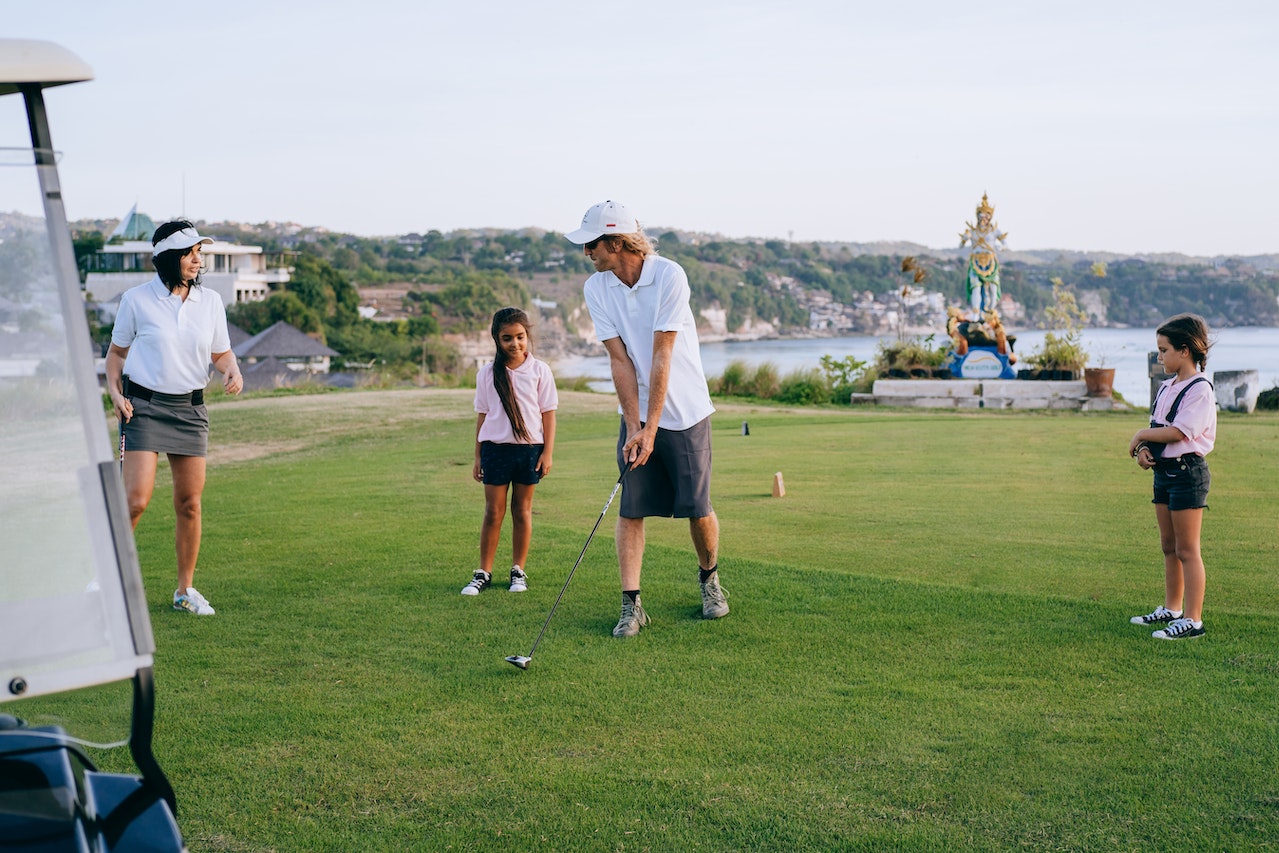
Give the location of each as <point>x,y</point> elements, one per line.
<point>753,287</point>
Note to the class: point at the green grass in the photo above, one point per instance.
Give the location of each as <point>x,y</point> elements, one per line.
<point>929,647</point>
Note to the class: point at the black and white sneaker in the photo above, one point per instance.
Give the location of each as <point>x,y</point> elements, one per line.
<point>479,582</point>
<point>1157,616</point>
<point>1179,629</point>
<point>519,580</point>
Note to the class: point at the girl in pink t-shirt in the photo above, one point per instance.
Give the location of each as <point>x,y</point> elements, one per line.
<point>1182,431</point>
<point>515,401</point>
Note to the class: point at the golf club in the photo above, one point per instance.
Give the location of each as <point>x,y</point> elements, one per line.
<point>522,661</point>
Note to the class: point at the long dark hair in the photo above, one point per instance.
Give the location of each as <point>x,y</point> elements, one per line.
<point>502,382</point>
<point>1188,331</point>
<point>168,265</point>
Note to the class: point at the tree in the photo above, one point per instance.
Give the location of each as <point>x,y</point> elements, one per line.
<point>324,289</point>
<point>254,317</point>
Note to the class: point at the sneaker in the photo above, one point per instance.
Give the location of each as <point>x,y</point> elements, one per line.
<point>192,602</point>
<point>633,618</point>
<point>519,580</point>
<point>714,599</point>
<point>1156,616</point>
<point>479,582</point>
<point>1179,629</point>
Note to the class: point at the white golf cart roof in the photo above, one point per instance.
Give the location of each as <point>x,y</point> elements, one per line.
<point>42,62</point>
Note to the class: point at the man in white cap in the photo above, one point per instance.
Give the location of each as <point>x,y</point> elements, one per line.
<point>639,303</point>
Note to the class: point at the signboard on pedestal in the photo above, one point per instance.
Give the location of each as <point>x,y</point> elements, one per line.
<point>982,363</point>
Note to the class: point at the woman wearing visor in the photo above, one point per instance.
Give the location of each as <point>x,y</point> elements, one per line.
<point>166,334</point>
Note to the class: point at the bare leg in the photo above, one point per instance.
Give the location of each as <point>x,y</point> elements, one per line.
<point>521,524</point>
<point>139,481</point>
<point>188,487</point>
<point>1174,583</point>
<point>1187,524</point>
<point>491,529</point>
<point>705,533</point>
<point>630,551</point>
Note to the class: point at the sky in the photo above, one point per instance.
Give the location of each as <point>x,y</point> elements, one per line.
<point>1119,126</point>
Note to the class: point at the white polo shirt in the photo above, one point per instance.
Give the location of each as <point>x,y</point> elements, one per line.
<point>170,340</point>
<point>659,302</point>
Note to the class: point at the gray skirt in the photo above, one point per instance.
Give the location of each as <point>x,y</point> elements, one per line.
<point>165,424</point>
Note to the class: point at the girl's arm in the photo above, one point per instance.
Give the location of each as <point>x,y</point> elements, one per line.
<point>476,471</point>
<point>1138,449</point>
<point>1162,435</point>
<point>548,443</point>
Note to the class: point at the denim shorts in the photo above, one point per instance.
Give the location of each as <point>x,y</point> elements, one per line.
<point>1182,482</point>
<point>503,464</point>
<point>676,480</point>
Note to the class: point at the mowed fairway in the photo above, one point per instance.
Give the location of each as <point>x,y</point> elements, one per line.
<point>928,649</point>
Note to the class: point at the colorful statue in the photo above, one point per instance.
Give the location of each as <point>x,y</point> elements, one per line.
<point>983,266</point>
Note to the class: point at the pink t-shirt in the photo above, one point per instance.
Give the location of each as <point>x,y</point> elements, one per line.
<point>535,393</point>
<point>1196,416</point>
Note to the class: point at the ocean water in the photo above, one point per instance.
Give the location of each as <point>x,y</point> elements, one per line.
<point>1242,348</point>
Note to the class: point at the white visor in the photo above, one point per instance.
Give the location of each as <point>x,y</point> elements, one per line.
<point>184,239</point>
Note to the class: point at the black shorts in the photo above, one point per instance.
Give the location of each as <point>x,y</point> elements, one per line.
<point>1182,482</point>
<point>503,464</point>
<point>676,480</point>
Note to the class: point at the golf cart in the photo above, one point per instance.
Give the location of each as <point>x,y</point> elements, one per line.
<point>73,617</point>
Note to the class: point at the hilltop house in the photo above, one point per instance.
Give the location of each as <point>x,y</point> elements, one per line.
<point>280,355</point>
<point>238,273</point>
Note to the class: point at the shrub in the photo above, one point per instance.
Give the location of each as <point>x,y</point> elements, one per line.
<point>732,382</point>
<point>804,387</point>
<point>1269,399</point>
<point>764,384</point>
<point>845,377</point>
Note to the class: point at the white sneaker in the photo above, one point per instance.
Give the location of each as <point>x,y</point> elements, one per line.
<point>479,582</point>
<point>1154,617</point>
<point>192,602</point>
<point>519,580</point>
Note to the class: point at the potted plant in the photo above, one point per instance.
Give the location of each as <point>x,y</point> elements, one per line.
<point>1062,355</point>
<point>1100,380</point>
<point>912,358</point>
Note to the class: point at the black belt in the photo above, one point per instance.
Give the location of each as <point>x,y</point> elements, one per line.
<point>133,389</point>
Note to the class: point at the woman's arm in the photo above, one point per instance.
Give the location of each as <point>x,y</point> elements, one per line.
<point>115,382</point>
<point>226,364</point>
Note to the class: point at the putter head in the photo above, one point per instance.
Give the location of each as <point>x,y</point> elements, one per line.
<point>519,660</point>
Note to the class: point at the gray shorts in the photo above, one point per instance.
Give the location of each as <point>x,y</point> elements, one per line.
<point>676,480</point>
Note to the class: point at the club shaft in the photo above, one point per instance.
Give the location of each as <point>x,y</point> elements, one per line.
<point>564,588</point>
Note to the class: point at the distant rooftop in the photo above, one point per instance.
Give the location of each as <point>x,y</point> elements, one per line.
<point>134,226</point>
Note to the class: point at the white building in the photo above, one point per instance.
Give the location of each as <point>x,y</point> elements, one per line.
<point>237,273</point>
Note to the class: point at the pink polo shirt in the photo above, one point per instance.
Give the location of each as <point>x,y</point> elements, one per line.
<point>535,393</point>
<point>1196,416</point>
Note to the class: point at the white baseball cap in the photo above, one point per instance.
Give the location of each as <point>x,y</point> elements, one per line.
<point>184,239</point>
<point>607,217</point>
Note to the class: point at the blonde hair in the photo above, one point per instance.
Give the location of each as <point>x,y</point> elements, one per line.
<point>638,242</point>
